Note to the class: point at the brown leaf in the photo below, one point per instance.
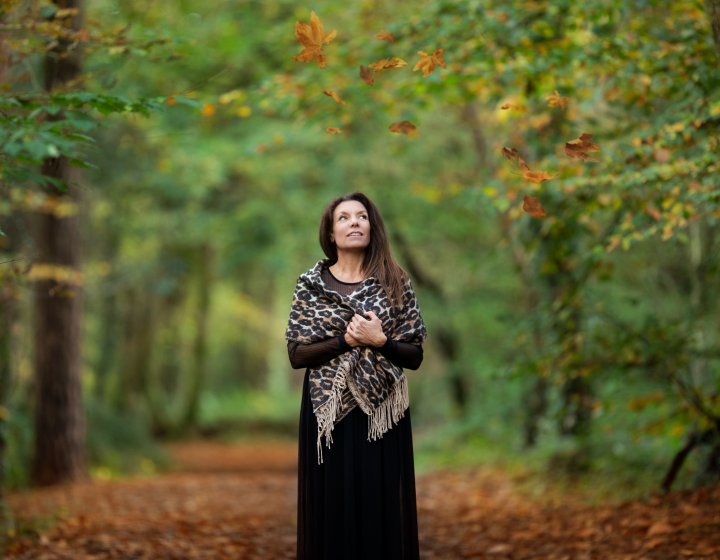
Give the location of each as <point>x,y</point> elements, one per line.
<point>403,127</point>
<point>428,62</point>
<point>333,130</point>
<point>335,97</point>
<point>557,100</point>
<point>513,155</point>
<point>366,75</point>
<point>208,110</point>
<point>536,176</point>
<point>386,63</point>
<point>312,37</point>
<point>580,147</point>
<point>532,206</point>
<point>384,36</point>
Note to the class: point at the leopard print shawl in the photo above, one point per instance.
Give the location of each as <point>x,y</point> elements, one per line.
<point>361,376</point>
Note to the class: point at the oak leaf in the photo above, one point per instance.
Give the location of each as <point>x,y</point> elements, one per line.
<point>428,62</point>
<point>312,37</point>
<point>386,63</point>
<point>580,148</point>
<point>557,100</point>
<point>403,127</point>
<point>335,97</point>
<point>532,206</point>
<point>366,75</point>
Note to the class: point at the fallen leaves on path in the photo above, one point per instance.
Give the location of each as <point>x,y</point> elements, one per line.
<point>239,501</point>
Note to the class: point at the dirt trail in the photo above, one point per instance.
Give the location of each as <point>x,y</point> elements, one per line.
<point>238,502</point>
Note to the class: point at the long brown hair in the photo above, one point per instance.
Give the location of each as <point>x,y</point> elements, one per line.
<point>378,261</point>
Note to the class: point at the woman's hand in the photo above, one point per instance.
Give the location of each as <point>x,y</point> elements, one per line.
<point>367,332</point>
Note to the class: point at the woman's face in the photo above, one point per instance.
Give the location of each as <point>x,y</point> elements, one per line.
<point>351,226</point>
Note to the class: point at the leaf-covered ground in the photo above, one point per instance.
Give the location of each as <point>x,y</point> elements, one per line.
<point>238,502</point>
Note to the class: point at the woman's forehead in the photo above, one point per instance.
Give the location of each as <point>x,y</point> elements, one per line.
<point>350,206</point>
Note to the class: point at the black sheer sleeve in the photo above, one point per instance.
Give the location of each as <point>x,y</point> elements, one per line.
<point>403,354</point>
<point>316,353</point>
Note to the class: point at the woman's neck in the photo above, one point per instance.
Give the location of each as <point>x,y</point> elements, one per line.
<point>349,267</point>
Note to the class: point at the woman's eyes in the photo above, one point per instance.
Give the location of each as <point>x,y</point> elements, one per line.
<point>362,217</point>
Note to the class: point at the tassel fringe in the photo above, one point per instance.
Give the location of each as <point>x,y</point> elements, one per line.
<point>328,412</point>
<point>390,410</point>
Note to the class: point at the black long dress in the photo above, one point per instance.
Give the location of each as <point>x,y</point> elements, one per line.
<point>360,502</point>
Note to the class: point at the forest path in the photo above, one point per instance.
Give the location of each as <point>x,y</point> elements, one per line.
<point>237,501</point>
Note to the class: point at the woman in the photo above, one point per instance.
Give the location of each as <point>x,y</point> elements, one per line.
<point>355,324</point>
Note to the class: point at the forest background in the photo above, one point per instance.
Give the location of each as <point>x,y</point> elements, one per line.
<point>164,166</point>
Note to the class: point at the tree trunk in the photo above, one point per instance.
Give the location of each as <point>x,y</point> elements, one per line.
<point>197,378</point>
<point>713,10</point>
<point>9,294</point>
<point>59,453</point>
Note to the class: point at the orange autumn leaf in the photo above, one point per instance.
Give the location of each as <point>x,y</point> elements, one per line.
<point>333,130</point>
<point>536,176</point>
<point>312,37</point>
<point>384,36</point>
<point>386,63</point>
<point>428,62</point>
<point>335,97</point>
<point>366,75</point>
<point>208,110</point>
<point>580,148</point>
<point>403,127</point>
<point>171,101</point>
<point>532,206</point>
<point>557,100</point>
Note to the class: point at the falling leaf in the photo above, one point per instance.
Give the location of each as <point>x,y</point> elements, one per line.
<point>312,37</point>
<point>366,75</point>
<point>333,130</point>
<point>507,106</point>
<point>386,63</point>
<point>557,100</point>
<point>403,127</point>
<point>536,176</point>
<point>528,174</point>
<point>208,110</point>
<point>513,155</point>
<point>428,62</point>
<point>532,206</point>
<point>580,147</point>
<point>171,100</point>
<point>335,97</point>
<point>384,36</point>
